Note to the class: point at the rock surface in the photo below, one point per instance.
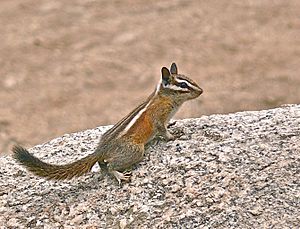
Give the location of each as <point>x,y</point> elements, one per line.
<point>228,171</point>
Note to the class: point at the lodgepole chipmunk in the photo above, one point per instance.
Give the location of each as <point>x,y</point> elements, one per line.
<point>123,145</point>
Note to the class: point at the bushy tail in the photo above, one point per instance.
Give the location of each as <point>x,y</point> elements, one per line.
<point>57,172</point>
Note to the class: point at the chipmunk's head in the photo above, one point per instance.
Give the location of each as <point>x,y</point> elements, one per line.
<point>178,86</point>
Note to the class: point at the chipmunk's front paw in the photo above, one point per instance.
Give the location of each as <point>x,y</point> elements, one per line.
<point>177,133</point>
<point>168,136</point>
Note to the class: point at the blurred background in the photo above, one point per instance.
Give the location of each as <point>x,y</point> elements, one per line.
<point>70,65</point>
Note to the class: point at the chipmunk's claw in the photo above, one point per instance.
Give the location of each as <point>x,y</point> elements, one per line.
<point>171,124</point>
<point>178,133</point>
<point>125,176</point>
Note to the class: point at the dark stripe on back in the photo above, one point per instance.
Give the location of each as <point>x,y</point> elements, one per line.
<point>121,125</point>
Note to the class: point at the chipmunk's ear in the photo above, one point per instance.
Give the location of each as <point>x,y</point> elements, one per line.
<point>173,69</point>
<point>165,75</point>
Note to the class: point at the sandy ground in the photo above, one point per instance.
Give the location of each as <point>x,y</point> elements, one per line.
<point>71,65</point>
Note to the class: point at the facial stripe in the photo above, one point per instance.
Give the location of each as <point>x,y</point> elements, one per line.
<point>189,83</point>
<point>186,79</point>
<point>176,87</point>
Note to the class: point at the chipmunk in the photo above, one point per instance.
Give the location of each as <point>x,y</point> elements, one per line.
<point>123,145</point>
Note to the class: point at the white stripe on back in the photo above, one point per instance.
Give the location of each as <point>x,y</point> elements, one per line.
<point>138,115</point>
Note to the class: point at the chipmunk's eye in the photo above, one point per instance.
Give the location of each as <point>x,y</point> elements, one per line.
<point>183,85</point>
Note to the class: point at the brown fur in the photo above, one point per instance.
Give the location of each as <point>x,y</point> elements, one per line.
<point>58,172</point>
<point>123,145</point>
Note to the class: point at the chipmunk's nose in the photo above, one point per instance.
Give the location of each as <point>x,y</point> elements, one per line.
<point>196,93</point>
<point>199,91</point>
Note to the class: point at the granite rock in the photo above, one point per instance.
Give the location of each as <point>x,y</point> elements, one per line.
<point>238,170</point>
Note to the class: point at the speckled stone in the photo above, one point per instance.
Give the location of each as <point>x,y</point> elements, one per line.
<point>238,170</point>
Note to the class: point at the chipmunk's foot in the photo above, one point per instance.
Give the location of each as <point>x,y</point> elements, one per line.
<point>169,137</point>
<point>126,176</point>
<point>174,134</point>
<point>177,133</point>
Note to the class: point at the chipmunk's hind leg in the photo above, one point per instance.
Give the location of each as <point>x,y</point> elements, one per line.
<point>124,158</point>
<point>121,176</point>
